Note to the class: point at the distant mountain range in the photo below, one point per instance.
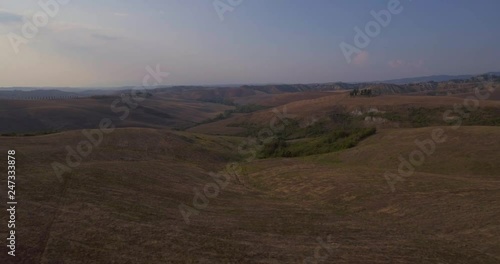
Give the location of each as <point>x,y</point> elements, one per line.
<point>211,93</point>
<point>34,93</point>
<point>435,78</point>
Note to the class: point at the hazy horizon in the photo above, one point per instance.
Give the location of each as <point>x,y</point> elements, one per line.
<point>110,43</point>
<point>228,85</point>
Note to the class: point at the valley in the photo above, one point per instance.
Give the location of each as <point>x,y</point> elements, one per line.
<point>286,177</point>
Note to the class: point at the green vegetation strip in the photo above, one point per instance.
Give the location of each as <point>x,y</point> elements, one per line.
<point>329,142</point>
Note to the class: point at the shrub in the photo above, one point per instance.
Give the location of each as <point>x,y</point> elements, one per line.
<point>334,141</point>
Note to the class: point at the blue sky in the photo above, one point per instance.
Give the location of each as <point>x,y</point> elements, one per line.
<point>110,42</point>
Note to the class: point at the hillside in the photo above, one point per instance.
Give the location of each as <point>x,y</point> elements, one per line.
<point>124,198</point>
<point>433,78</point>
<point>259,175</point>
<point>21,116</point>
<point>250,132</point>
<point>183,107</point>
<point>392,111</point>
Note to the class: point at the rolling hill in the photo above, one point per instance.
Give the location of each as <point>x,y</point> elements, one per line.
<point>258,175</point>
<point>124,199</point>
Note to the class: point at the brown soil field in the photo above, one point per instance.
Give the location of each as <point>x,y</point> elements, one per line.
<point>121,204</point>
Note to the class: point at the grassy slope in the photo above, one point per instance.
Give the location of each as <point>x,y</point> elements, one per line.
<point>308,109</point>
<point>445,213</point>
<point>61,115</point>
<point>121,204</point>
<point>122,198</point>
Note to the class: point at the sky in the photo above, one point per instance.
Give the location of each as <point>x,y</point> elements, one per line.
<point>106,43</point>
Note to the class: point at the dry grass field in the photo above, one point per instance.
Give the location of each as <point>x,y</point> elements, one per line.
<point>152,193</point>
<point>249,132</point>
<point>59,115</point>
<point>307,109</point>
